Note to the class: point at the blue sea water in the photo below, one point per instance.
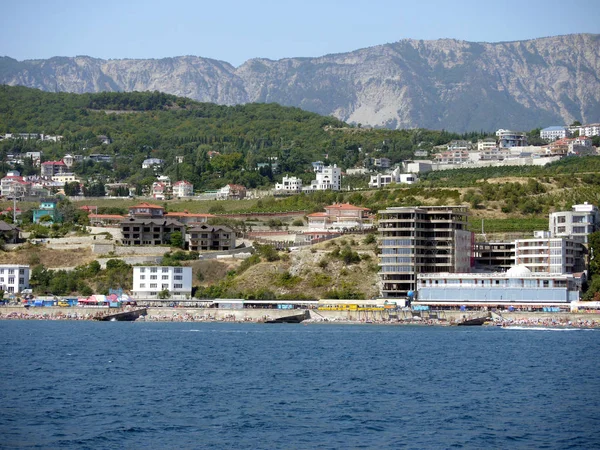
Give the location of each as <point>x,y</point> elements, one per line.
<point>104,385</point>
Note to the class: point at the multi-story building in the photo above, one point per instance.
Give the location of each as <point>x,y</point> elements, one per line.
<point>160,191</point>
<point>545,254</point>
<point>516,287</point>
<point>65,178</point>
<point>381,179</point>
<point>146,210</point>
<point>13,184</point>
<point>382,163</point>
<point>231,192</point>
<point>415,240</point>
<point>553,133</point>
<point>140,231</point>
<point>592,129</point>
<point>329,178</point>
<point>209,237</point>
<point>461,145</point>
<point>289,185</point>
<point>47,212</point>
<point>577,223</point>
<point>149,282</point>
<point>14,278</point>
<point>182,189</point>
<point>340,216</point>
<point>508,138</point>
<point>51,168</point>
<point>486,144</point>
<point>494,256</point>
<point>147,225</point>
<point>452,157</point>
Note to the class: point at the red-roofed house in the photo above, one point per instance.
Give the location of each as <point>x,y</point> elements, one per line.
<point>183,189</point>
<point>146,210</point>
<point>51,168</point>
<point>340,216</point>
<point>14,183</point>
<point>160,190</point>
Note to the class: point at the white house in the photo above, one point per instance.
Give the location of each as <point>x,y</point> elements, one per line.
<point>148,282</point>
<point>14,278</point>
<point>152,163</point>
<point>396,176</point>
<point>329,178</point>
<point>183,189</point>
<point>289,185</point>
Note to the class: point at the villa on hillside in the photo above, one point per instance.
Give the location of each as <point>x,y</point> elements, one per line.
<point>340,216</point>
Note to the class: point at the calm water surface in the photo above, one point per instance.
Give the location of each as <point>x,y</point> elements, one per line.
<point>102,385</point>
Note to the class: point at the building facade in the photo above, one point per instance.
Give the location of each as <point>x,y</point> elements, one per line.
<point>381,180</point>
<point>14,278</point>
<point>149,282</point>
<point>516,287</point>
<point>508,138</point>
<point>416,240</point>
<point>209,237</point>
<point>553,133</point>
<point>141,231</point>
<point>182,189</point>
<point>577,223</point>
<point>340,216</point>
<point>545,254</point>
<point>289,185</point>
<point>329,178</point>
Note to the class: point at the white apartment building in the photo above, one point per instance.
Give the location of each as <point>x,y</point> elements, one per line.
<point>289,185</point>
<point>545,254</point>
<point>329,178</point>
<point>148,282</point>
<point>486,144</point>
<point>14,278</point>
<point>553,133</point>
<point>577,223</point>
<point>593,129</point>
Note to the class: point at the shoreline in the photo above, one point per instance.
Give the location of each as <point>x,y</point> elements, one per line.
<point>160,315</point>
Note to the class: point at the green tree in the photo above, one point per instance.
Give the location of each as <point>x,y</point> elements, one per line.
<point>177,239</point>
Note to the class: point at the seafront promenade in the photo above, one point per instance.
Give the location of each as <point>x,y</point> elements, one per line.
<point>171,314</point>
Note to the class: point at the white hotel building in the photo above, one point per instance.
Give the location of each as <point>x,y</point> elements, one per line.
<point>14,278</point>
<point>517,287</point>
<point>149,281</point>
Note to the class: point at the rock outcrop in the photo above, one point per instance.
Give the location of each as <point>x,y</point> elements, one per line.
<point>449,84</point>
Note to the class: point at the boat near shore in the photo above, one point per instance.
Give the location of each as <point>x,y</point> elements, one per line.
<point>476,321</point>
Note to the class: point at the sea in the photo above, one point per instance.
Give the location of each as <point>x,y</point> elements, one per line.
<point>120,385</point>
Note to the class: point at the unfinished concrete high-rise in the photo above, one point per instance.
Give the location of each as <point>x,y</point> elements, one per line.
<point>424,239</point>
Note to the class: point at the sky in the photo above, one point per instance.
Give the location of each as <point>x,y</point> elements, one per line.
<point>236,30</point>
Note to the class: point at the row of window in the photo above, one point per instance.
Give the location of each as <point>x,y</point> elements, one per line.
<point>12,271</point>
<point>163,269</point>
<point>164,277</point>
<point>164,286</point>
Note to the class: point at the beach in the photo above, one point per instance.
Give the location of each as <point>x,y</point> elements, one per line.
<point>441,318</point>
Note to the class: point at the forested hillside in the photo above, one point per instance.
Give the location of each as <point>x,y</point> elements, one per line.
<point>153,124</point>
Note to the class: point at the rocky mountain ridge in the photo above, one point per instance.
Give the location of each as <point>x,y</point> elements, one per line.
<point>449,84</point>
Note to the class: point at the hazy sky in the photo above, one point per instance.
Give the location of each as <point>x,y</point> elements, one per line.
<point>235,30</point>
